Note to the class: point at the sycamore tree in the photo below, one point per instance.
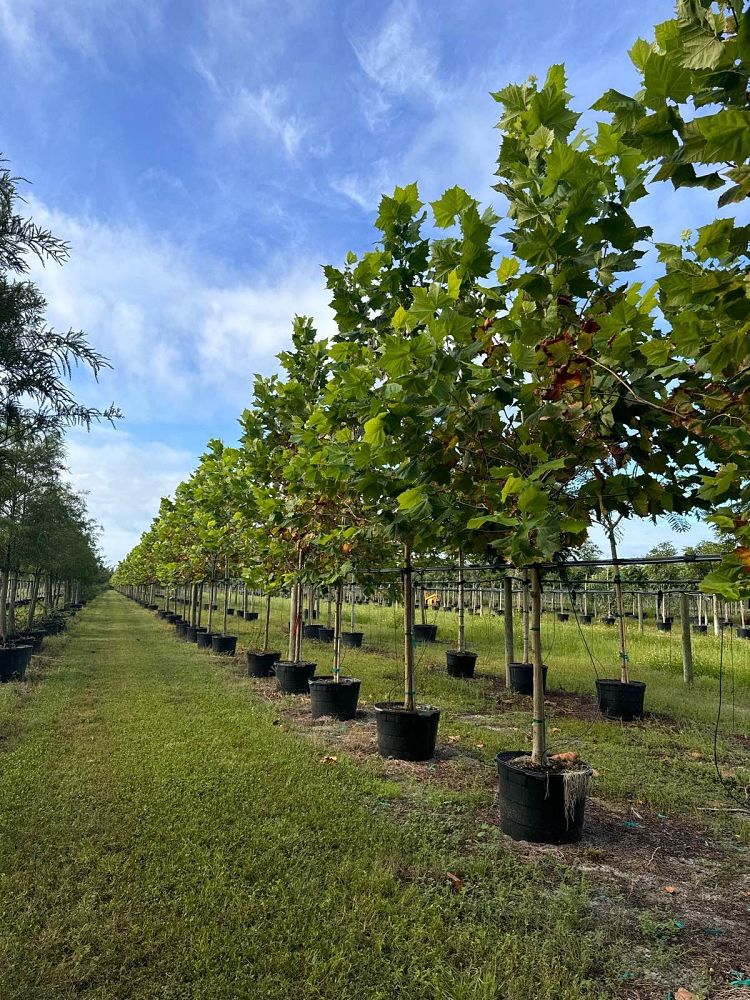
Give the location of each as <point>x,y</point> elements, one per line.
<point>690,124</point>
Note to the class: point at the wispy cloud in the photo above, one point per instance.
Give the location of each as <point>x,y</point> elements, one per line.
<point>263,115</point>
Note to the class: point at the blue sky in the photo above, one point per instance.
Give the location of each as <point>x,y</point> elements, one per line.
<point>205,158</point>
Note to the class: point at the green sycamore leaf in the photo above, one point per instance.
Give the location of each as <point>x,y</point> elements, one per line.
<point>453,202</point>
<point>454,284</point>
<point>509,267</point>
<point>727,135</point>
<point>411,498</point>
<point>374,433</point>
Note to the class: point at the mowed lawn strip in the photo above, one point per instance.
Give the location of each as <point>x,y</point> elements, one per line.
<point>162,838</point>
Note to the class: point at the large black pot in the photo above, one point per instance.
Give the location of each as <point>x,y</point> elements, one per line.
<point>621,701</point>
<point>700,629</point>
<point>325,634</point>
<point>664,626</point>
<point>260,664</point>
<point>310,631</point>
<point>224,644</point>
<point>191,633</point>
<point>251,616</point>
<point>585,619</point>
<point>293,678</point>
<point>203,639</point>
<point>352,640</point>
<point>425,633</point>
<point>460,664</point>
<point>532,803</point>
<point>180,630</point>
<point>13,662</point>
<point>743,633</point>
<point>230,612</point>
<point>608,620</point>
<point>522,678</point>
<point>562,616</point>
<point>327,697</point>
<point>406,735</point>
<point>162,613</point>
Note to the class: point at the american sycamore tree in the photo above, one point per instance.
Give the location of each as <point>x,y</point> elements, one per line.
<point>279,411</point>
<point>690,124</point>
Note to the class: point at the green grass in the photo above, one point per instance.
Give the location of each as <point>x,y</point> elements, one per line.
<point>162,837</point>
<point>665,764</point>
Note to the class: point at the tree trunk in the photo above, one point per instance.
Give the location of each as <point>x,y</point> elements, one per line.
<point>33,596</point>
<point>508,623</point>
<point>618,594</point>
<point>687,649</point>
<point>409,693</point>
<point>525,614</point>
<point>337,632</point>
<point>538,728</point>
<point>226,596</point>
<point>268,623</point>
<point>4,605</point>
<point>12,602</point>
<point>461,610</point>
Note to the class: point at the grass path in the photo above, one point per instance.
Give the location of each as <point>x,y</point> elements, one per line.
<point>162,838</point>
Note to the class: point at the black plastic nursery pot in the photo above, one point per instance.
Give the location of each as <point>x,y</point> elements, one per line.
<point>425,633</point>
<point>310,631</point>
<point>325,634</point>
<point>162,613</point>
<point>700,629</point>
<point>460,664</point>
<point>541,806</point>
<point>13,662</point>
<point>586,619</point>
<point>203,639</point>
<point>352,640</point>
<point>664,626</point>
<point>608,620</point>
<point>180,630</point>
<point>522,678</point>
<point>191,633</point>
<point>406,734</point>
<point>621,701</point>
<point>224,644</point>
<point>335,698</point>
<point>251,616</point>
<point>230,612</point>
<point>260,663</point>
<point>152,607</point>
<point>562,616</point>
<point>743,633</point>
<point>294,678</point>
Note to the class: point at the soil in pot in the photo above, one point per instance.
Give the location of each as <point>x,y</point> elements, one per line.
<point>203,640</point>
<point>460,664</point>
<point>621,701</point>
<point>293,678</point>
<point>522,678</point>
<point>542,804</point>
<point>224,644</point>
<point>260,663</point>
<point>352,640</point>
<point>325,634</point>
<point>405,734</point>
<point>337,699</point>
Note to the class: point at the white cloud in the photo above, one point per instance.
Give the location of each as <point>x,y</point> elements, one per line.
<point>170,323</point>
<point>263,114</point>
<point>31,29</point>
<point>400,57</point>
<point>124,480</point>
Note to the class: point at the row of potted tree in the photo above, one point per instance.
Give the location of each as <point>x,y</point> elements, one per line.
<point>497,406</point>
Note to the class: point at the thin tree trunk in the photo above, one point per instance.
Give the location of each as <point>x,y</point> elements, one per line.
<point>226,595</point>
<point>4,604</point>
<point>525,614</point>
<point>538,728</point>
<point>409,693</point>
<point>618,593</point>
<point>508,623</point>
<point>337,632</point>
<point>33,597</point>
<point>461,610</point>
<point>268,623</point>
<point>12,602</point>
